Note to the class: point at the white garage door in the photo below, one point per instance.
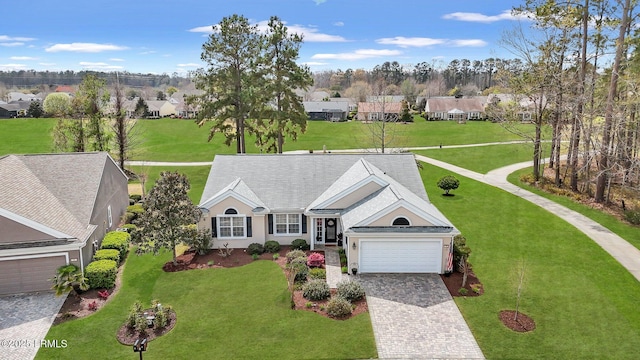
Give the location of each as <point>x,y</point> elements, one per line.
<point>400,256</point>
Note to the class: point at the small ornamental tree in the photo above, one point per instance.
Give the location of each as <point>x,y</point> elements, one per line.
<point>168,211</point>
<point>461,256</point>
<point>448,183</point>
<point>68,278</point>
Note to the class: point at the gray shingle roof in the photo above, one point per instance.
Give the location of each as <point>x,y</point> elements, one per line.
<point>55,190</point>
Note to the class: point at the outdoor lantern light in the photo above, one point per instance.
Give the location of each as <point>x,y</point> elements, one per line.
<point>354,245</point>
<point>139,346</point>
<point>150,319</point>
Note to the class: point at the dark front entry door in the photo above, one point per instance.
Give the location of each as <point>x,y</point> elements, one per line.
<point>330,231</point>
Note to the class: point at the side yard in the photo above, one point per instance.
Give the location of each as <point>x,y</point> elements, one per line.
<point>237,313</point>
<point>583,302</point>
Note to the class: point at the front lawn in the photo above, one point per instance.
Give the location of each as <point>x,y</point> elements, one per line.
<point>237,313</point>
<point>197,176</point>
<point>585,303</point>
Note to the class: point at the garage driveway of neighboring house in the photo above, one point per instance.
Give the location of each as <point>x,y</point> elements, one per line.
<point>25,320</point>
<point>415,317</point>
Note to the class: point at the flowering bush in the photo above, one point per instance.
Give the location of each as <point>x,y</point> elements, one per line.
<point>316,290</point>
<point>104,294</point>
<point>315,260</point>
<point>350,290</point>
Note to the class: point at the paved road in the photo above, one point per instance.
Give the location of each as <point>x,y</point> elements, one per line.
<point>625,253</point>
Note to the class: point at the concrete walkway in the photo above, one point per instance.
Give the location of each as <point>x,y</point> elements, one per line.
<point>25,320</point>
<point>625,253</point>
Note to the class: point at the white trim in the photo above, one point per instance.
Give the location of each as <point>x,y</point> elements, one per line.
<point>37,256</point>
<point>407,205</point>
<point>403,217</point>
<point>351,189</point>
<point>275,225</point>
<point>244,226</point>
<point>34,225</point>
<point>39,250</point>
<point>439,240</point>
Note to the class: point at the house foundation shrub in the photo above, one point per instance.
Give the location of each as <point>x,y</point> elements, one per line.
<point>350,290</point>
<point>316,290</point>
<point>118,240</point>
<point>107,254</point>
<point>272,246</point>
<point>294,254</point>
<point>255,249</point>
<point>101,274</point>
<point>317,273</point>
<point>300,244</point>
<point>338,307</point>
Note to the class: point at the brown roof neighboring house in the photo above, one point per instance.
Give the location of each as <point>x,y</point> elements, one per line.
<point>65,89</point>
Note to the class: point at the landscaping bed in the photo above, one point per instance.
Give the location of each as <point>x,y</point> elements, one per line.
<point>453,282</point>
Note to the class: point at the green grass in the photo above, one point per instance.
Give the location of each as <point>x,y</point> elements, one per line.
<point>238,313</point>
<point>197,176</point>
<point>483,159</point>
<point>585,303</point>
<point>622,229</point>
<point>183,140</point>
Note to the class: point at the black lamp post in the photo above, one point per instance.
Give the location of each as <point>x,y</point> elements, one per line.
<point>139,346</point>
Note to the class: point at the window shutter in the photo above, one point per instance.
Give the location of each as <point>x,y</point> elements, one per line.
<point>214,227</point>
<point>304,224</point>
<point>249,230</point>
<point>270,219</point>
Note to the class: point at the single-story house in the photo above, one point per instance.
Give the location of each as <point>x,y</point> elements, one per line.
<point>452,108</point>
<point>374,111</point>
<point>160,109</point>
<point>326,110</point>
<point>525,107</point>
<point>9,110</point>
<point>54,210</point>
<point>373,205</point>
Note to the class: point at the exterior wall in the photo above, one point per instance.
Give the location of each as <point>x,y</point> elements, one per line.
<point>258,224</point>
<point>356,196</point>
<point>167,109</point>
<point>113,191</point>
<point>414,219</point>
<point>15,232</point>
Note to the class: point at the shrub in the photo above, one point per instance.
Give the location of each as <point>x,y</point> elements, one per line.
<point>300,244</point>
<point>128,217</point>
<point>344,270</point>
<point>299,265</point>
<point>276,256</point>
<point>101,274</point>
<point>255,249</point>
<point>135,197</point>
<point>350,290</point>
<point>198,240</point>
<point>315,260</point>
<point>632,216</point>
<point>129,227</point>
<point>338,307</point>
<point>118,240</point>
<point>211,262</point>
<point>107,254</point>
<point>460,250</point>
<point>255,256</point>
<point>161,320</point>
<point>448,183</point>
<point>294,254</point>
<point>342,251</point>
<point>316,290</point>
<point>136,210</point>
<point>463,291</point>
<point>318,273</point>
<point>308,305</point>
<point>104,294</point>
<point>92,306</point>
<point>271,246</point>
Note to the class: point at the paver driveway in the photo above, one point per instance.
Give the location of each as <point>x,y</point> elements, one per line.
<point>414,317</point>
<point>24,321</point>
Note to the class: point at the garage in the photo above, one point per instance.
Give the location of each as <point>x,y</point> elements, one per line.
<point>29,273</point>
<point>400,256</point>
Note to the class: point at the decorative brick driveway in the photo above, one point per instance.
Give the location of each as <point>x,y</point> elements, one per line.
<point>414,317</point>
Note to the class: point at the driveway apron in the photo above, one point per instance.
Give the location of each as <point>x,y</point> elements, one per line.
<point>415,317</point>
<point>25,320</point>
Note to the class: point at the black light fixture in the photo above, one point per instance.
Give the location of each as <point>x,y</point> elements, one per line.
<point>139,346</point>
<point>354,245</point>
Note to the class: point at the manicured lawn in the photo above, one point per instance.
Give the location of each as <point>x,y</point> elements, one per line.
<point>622,229</point>
<point>238,313</point>
<point>584,303</point>
<point>26,136</point>
<point>482,159</point>
<point>197,176</point>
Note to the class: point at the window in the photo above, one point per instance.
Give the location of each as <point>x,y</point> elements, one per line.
<point>109,215</point>
<point>401,221</point>
<point>287,224</point>
<point>231,225</point>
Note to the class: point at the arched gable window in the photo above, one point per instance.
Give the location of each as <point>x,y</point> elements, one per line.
<point>231,211</point>
<point>401,221</point>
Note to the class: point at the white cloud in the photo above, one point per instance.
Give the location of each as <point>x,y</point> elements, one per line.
<point>10,67</point>
<point>338,23</point>
<point>309,34</point>
<point>99,66</point>
<point>468,43</point>
<point>11,44</point>
<point>411,41</point>
<point>47,64</point>
<point>85,47</point>
<point>116,59</point>
<point>314,63</point>
<point>188,65</point>
<point>15,38</point>
<point>148,52</point>
<point>478,17</point>
<point>318,2</point>
<point>22,58</point>
<point>357,55</point>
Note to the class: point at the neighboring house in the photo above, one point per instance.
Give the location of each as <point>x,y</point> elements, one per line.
<point>65,89</point>
<point>8,111</point>
<point>458,109</point>
<point>525,106</point>
<point>385,98</point>
<point>373,205</point>
<point>54,210</point>
<point>353,105</point>
<point>160,108</point>
<point>374,111</point>
<point>326,110</point>
<point>18,96</point>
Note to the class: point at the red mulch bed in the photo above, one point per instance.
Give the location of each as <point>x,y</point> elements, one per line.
<point>127,336</point>
<point>454,284</point>
<point>523,324</point>
<point>191,260</point>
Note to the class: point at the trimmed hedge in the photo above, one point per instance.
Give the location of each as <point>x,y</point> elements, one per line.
<point>107,254</point>
<point>299,244</point>
<point>118,240</point>
<point>255,248</point>
<point>101,274</point>
<point>272,246</point>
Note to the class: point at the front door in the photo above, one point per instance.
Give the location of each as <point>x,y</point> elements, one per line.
<point>330,233</point>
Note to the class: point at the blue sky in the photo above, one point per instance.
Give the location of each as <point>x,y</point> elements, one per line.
<point>165,36</point>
